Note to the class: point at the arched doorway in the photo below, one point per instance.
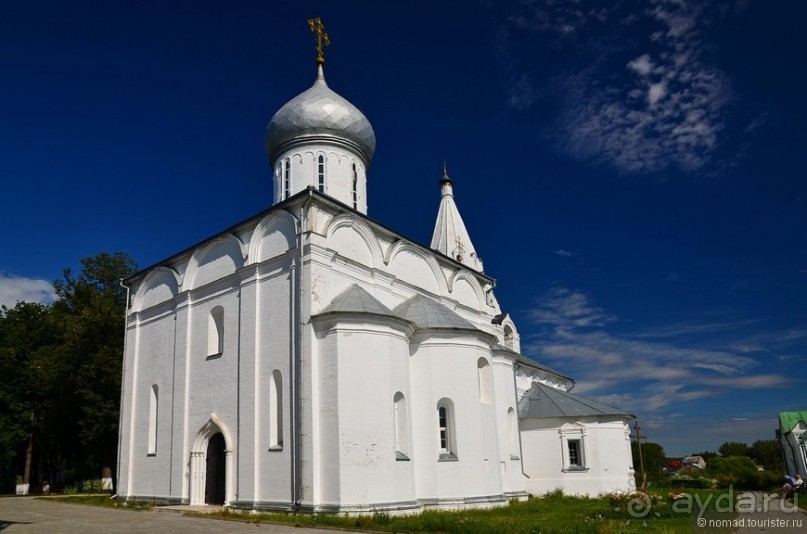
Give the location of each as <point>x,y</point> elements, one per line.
<point>211,464</point>
<point>216,469</point>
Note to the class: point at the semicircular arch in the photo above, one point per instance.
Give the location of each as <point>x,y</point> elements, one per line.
<point>274,235</point>
<point>412,272</point>
<point>160,285</point>
<point>216,259</point>
<point>461,284</point>
<point>351,248</point>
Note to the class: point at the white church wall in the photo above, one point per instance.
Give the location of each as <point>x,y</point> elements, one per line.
<point>212,379</point>
<point>372,366</point>
<point>510,455</point>
<point>150,458</point>
<point>443,366</point>
<point>360,363</point>
<point>604,447</point>
<point>273,327</point>
<point>250,389</point>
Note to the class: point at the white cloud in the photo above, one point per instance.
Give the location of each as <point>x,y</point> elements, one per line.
<point>565,308</point>
<point>563,252</point>
<point>668,108</point>
<point>657,373</point>
<point>16,288</point>
<point>656,92</point>
<point>641,65</point>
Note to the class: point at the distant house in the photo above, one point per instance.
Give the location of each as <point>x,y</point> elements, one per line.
<point>693,463</point>
<point>792,434</point>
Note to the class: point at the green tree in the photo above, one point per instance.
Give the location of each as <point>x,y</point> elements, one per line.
<point>654,461</point>
<point>27,337</point>
<point>91,307</point>
<point>768,453</point>
<point>734,448</point>
<point>742,473</point>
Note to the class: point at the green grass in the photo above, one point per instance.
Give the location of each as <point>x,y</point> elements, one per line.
<point>100,500</point>
<point>553,513</point>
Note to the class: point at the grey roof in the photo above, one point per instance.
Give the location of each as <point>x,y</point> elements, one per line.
<point>319,113</point>
<point>426,313</point>
<point>532,363</point>
<point>356,300</point>
<point>545,401</point>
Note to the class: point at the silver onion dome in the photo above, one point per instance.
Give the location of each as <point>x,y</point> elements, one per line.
<point>319,114</point>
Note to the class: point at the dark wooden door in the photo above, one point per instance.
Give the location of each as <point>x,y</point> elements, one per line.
<point>216,467</point>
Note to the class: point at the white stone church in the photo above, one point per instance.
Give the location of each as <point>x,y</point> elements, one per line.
<point>311,358</point>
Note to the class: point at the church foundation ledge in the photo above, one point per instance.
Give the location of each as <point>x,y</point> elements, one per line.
<point>262,506</point>
<point>516,495</point>
<point>393,508</point>
<point>481,501</point>
<point>156,500</point>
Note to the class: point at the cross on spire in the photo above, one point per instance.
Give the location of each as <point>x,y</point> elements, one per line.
<point>322,37</point>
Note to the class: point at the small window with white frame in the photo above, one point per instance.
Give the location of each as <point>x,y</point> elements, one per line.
<point>573,440</point>
<point>446,431</point>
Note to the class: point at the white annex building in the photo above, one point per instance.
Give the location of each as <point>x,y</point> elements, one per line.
<point>311,358</point>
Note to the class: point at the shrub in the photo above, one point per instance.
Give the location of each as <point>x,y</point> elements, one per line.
<point>738,471</point>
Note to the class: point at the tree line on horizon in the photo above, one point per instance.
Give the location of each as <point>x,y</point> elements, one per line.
<point>60,378</point>
<point>731,460</point>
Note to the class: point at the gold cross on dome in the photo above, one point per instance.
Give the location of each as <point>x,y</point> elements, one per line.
<point>322,37</point>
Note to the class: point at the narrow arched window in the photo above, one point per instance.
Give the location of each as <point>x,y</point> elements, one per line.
<point>276,411</point>
<point>152,436</point>
<point>508,337</point>
<point>215,332</point>
<point>512,424</point>
<point>446,431</point>
<point>485,379</point>
<point>355,187</point>
<point>321,174</point>
<point>401,418</point>
<point>287,178</point>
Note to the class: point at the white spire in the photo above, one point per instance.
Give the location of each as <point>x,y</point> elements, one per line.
<point>450,235</point>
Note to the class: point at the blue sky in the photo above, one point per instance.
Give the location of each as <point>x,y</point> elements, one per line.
<point>628,171</point>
